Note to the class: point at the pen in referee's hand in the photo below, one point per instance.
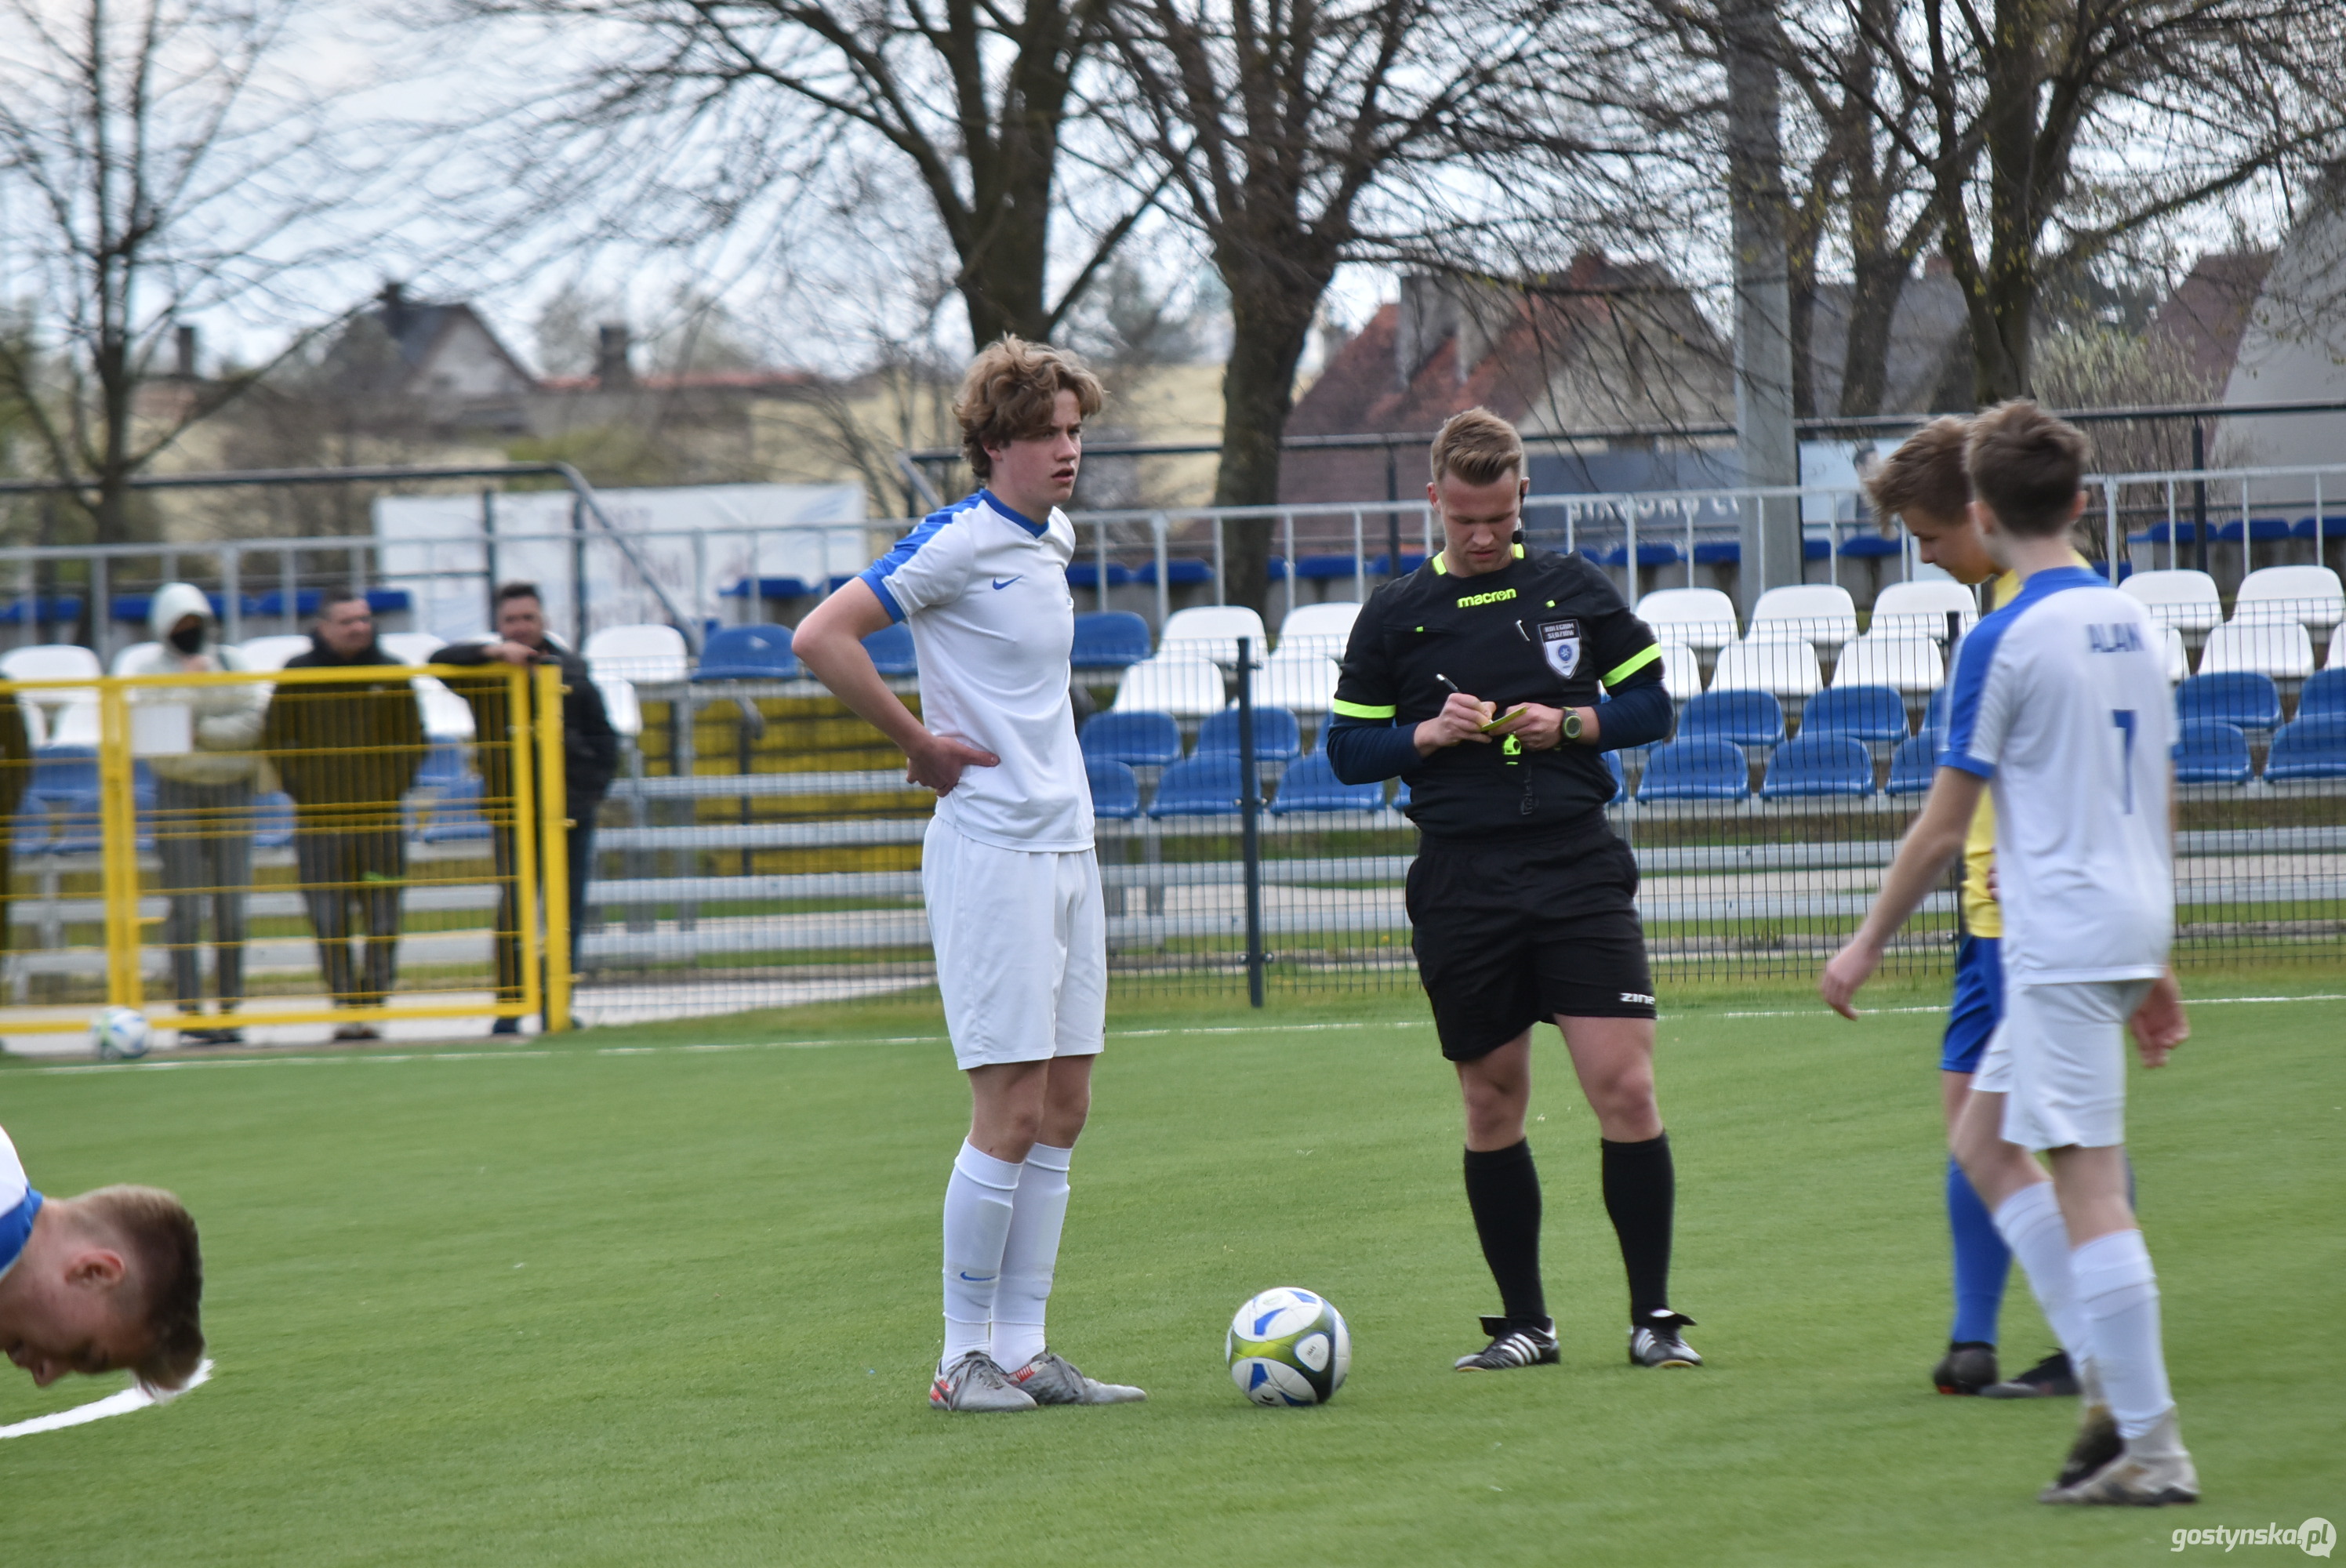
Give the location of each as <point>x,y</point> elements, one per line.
<point>1445,680</point>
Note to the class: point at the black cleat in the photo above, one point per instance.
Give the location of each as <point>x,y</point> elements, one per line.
<point>1519,1345</point>
<point>2096,1445</point>
<point>1655,1342</point>
<point>1968,1366</point>
<point>2050,1379</point>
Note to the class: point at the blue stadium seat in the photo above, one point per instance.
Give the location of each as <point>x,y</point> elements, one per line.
<point>45,612</point>
<point>1742,717</point>
<point>1718,552</point>
<point>273,822</point>
<point>2211,752</point>
<point>30,833</point>
<point>2240,696</point>
<point>1695,771</point>
<point>1199,787</point>
<point>1277,736</point>
<point>390,601</point>
<point>1613,766</point>
<point>1109,639</point>
<point>891,648</point>
<point>1913,765</point>
<point>1816,765</point>
<point>60,772</point>
<point>1650,554</point>
<point>1085,573</point>
<point>1134,740</point>
<point>2324,696</point>
<point>767,588</point>
<point>2309,750</point>
<point>1312,786</point>
<point>443,763</point>
<point>1870,713</point>
<point>1871,545</point>
<point>2261,529</point>
<point>2330,527</point>
<point>1178,573</point>
<point>1116,793</point>
<point>749,653</point>
<point>457,816</point>
<point>2168,534</point>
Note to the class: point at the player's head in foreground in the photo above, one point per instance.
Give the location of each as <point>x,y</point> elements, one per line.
<point>1477,489</point>
<point>1924,485</point>
<point>108,1281</point>
<point>2026,468</point>
<point>1022,410</point>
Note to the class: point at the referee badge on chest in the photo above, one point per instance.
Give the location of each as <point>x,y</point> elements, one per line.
<point>1560,643</point>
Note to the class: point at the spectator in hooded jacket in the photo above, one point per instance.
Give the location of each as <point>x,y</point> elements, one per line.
<point>203,802</point>
<point>347,751</point>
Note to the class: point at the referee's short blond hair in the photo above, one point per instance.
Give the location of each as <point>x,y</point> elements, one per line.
<point>1478,446</point>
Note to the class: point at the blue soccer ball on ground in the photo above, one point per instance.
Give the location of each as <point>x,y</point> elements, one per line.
<point>1289,1347</point>
<point>119,1034</point>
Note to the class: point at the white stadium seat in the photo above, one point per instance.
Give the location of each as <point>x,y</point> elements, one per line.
<point>1820,613</point>
<point>135,651</point>
<point>1920,609</point>
<point>1908,666</point>
<point>2178,661</point>
<point>446,716</point>
<point>1300,682</point>
<point>2281,650</point>
<point>1780,666</point>
<point>1212,631</point>
<point>77,724</point>
<point>639,653</point>
<point>1681,670</point>
<point>2183,599</point>
<point>627,715</point>
<point>411,647</point>
<point>1319,629</point>
<point>1697,618</point>
<point>50,661</point>
<point>272,652</point>
<point>1184,687</point>
<point>2310,595</point>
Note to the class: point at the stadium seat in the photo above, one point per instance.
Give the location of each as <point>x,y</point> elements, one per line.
<point>2324,696</point>
<point>1736,717</point>
<point>271,653</point>
<point>79,825</point>
<point>1116,793</point>
<point>273,821</point>
<point>124,656</point>
<point>1212,631</point>
<point>1781,667</point>
<point>456,815</point>
<point>1300,682</point>
<point>447,718</point>
<point>1912,765</point>
<point>1184,687</point>
<point>2179,658</point>
<point>1323,629</point>
<point>620,705</point>
<point>1651,553</point>
<point>28,834</point>
<point>2257,531</point>
<point>443,763</point>
<point>2210,751</point>
<point>1870,713</point>
<point>639,653</point>
<point>1717,553</point>
<point>1920,609</point>
<point>2281,649</point>
<point>1086,574</point>
<point>749,653</point>
<point>417,648</point>
<point>2241,698</point>
<point>272,603</point>
<point>1136,739</point>
<point>2185,600</point>
<point>1695,771</point>
<point>1178,573</point>
<point>1681,671</point>
<point>1109,639</point>
<point>1909,665</point>
<point>1199,787</point>
<point>769,589</point>
<point>1277,736</point>
<point>1819,613</point>
<point>75,724</point>
<point>51,661</point>
<point>1312,786</point>
<point>1613,766</point>
<point>891,648</point>
<point>1816,765</point>
<point>2312,596</point>
<point>2311,750</point>
<point>2316,528</point>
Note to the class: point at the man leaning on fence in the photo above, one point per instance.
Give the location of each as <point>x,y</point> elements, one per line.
<point>347,751</point>
<point>203,802</point>
<point>590,756</point>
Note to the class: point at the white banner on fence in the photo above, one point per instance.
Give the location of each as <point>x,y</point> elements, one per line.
<point>435,548</point>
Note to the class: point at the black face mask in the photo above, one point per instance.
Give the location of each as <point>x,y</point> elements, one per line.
<point>189,641</point>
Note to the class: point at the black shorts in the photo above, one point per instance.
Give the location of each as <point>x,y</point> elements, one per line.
<point>1510,933</point>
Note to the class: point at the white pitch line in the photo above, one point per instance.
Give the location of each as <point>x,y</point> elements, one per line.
<point>2189,1001</point>
<point>134,1398</point>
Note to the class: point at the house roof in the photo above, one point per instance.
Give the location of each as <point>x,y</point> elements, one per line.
<point>2210,310</point>
<point>1926,334</point>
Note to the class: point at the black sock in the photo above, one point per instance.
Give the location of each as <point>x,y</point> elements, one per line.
<point>1502,1190</point>
<point>1641,1195</point>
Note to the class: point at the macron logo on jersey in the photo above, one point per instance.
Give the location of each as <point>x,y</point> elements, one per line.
<point>2118,638</point>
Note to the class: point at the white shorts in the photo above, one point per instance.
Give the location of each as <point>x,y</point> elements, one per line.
<point>1022,948</point>
<point>2060,1060</point>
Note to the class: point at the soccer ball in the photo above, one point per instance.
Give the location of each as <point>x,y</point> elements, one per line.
<point>119,1034</point>
<point>1289,1347</point>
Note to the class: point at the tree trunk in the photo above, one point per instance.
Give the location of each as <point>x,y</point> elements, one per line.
<point>1879,280</point>
<point>2006,299</point>
<point>1270,322</point>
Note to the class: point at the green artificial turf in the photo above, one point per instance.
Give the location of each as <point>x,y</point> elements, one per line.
<point>678,1305</point>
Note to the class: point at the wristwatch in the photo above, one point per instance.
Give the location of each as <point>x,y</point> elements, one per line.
<point>1571,724</point>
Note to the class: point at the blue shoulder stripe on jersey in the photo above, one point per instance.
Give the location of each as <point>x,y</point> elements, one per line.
<point>991,499</point>
<point>17,1228</point>
<point>1977,652</point>
<point>875,575</point>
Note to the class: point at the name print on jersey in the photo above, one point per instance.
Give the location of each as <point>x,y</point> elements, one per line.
<point>2120,637</point>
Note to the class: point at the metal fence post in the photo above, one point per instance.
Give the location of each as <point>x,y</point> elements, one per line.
<point>1250,817</point>
<point>554,818</point>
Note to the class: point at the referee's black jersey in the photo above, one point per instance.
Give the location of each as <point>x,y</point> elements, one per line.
<point>1545,628</point>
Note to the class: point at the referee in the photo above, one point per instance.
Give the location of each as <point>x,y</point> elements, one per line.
<point>1475,678</point>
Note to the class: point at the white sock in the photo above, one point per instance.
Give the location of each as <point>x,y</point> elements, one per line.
<point>977,1221</point>
<point>2030,1223</point>
<point>2120,1294</point>
<point>1030,1256</point>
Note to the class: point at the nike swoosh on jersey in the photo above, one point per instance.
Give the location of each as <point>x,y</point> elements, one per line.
<point>1002,583</point>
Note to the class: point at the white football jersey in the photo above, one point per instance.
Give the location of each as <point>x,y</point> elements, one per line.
<point>2060,701</point>
<point>18,1204</point>
<point>986,593</point>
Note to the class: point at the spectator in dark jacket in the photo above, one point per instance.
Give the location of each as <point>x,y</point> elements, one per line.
<point>347,753</point>
<point>590,756</point>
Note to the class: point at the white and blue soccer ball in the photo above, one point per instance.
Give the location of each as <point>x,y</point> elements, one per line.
<point>1289,1347</point>
<point>119,1034</point>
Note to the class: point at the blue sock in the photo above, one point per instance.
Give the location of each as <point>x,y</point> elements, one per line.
<point>1982,1261</point>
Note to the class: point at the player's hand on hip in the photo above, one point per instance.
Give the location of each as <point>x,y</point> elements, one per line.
<point>1539,729</point>
<point>1849,968</point>
<point>2159,1025</point>
<point>1461,718</point>
<point>937,764</point>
